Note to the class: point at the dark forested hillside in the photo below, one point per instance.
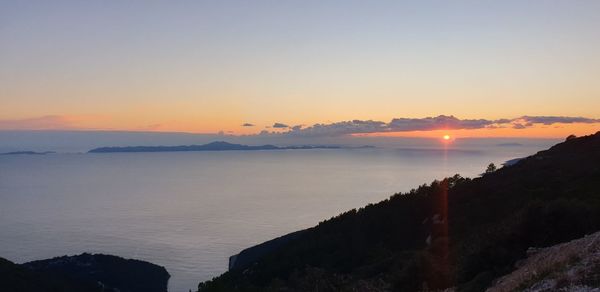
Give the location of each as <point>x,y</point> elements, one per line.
<point>17,278</point>
<point>456,232</point>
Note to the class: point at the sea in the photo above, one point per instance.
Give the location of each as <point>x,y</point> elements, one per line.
<point>190,211</point>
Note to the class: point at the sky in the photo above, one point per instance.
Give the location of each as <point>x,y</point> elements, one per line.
<point>302,68</point>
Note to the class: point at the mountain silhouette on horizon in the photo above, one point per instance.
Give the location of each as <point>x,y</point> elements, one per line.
<point>213,146</point>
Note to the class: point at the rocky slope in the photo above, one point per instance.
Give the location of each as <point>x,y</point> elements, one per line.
<point>570,266</point>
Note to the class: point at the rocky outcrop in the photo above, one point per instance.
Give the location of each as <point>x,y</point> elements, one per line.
<point>570,266</point>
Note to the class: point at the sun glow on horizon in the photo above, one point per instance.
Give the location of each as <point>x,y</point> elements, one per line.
<point>446,137</point>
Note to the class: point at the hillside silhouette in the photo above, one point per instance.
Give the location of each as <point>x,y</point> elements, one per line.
<point>457,232</point>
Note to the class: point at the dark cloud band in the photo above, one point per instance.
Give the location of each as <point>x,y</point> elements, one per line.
<point>426,124</point>
<point>280,126</point>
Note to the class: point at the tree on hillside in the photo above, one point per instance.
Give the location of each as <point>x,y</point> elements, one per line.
<point>491,168</point>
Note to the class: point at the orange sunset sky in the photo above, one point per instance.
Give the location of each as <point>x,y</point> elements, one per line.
<point>248,67</point>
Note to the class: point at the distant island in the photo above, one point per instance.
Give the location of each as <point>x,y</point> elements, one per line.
<point>83,273</point>
<point>27,153</point>
<point>214,146</point>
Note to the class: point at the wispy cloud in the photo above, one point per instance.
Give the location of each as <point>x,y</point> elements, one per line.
<point>151,127</point>
<point>247,125</point>
<point>51,122</point>
<point>549,120</point>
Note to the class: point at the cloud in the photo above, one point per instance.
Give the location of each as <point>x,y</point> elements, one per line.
<point>503,121</point>
<point>449,122</point>
<point>395,125</point>
<point>151,127</point>
<point>549,120</point>
<point>51,122</point>
<point>341,128</point>
<point>436,123</point>
<point>280,126</point>
<point>424,124</point>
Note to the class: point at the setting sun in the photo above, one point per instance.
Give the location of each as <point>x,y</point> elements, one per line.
<point>446,137</point>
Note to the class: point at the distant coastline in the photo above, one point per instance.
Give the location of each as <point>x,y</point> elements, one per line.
<point>214,146</point>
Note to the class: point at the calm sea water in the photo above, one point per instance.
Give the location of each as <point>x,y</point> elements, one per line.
<point>190,211</point>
